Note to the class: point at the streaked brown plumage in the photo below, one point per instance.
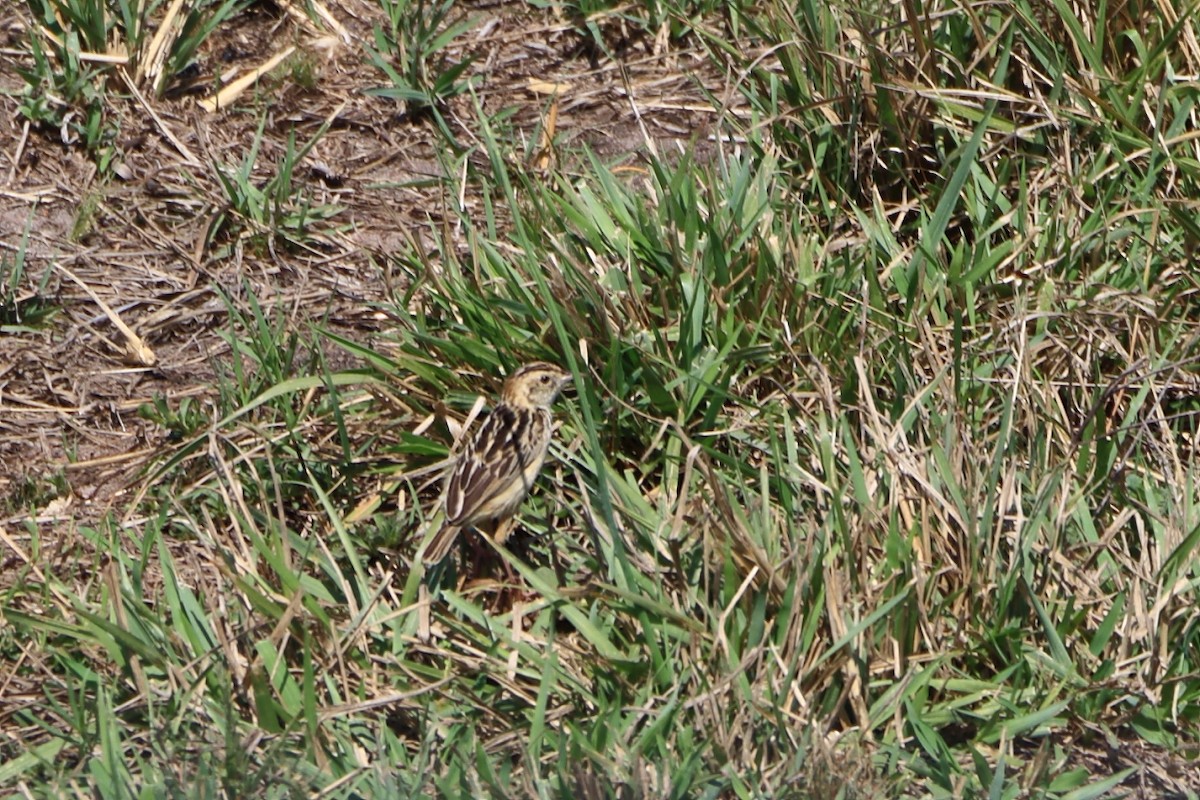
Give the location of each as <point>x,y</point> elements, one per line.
<point>499,465</point>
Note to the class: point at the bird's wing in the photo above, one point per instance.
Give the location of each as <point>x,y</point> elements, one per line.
<point>494,458</point>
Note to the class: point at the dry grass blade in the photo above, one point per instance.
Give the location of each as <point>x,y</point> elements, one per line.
<point>230,93</point>
<point>135,349</point>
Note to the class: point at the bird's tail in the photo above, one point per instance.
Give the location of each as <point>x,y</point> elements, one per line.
<point>439,546</point>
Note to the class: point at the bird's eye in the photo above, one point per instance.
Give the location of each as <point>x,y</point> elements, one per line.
<point>545,379</point>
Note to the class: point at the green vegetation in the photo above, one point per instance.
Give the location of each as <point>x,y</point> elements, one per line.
<point>76,47</point>
<point>22,311</point>
<point>270,210</point>
<point>878,482</point>
<point>411,52</point>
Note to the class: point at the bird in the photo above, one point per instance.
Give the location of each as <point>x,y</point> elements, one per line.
<point>498,466</point>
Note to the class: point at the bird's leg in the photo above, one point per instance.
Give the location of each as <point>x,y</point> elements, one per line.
<point>500,535</point>
<point>503,530</point>
<point>479,549</point>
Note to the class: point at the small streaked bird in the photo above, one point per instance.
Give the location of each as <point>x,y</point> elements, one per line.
<point>498,467</point>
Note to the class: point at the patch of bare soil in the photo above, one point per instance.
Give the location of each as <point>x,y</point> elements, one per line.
<point>148,245</point>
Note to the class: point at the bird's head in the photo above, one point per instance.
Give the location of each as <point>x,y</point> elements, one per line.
<point>535,385</point>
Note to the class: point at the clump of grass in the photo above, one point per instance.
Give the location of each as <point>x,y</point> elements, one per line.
<point>75,45</point>
<point>276,209</point>
<point>23,306</point>
<point>64,94</point>
<point>412,53</point>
